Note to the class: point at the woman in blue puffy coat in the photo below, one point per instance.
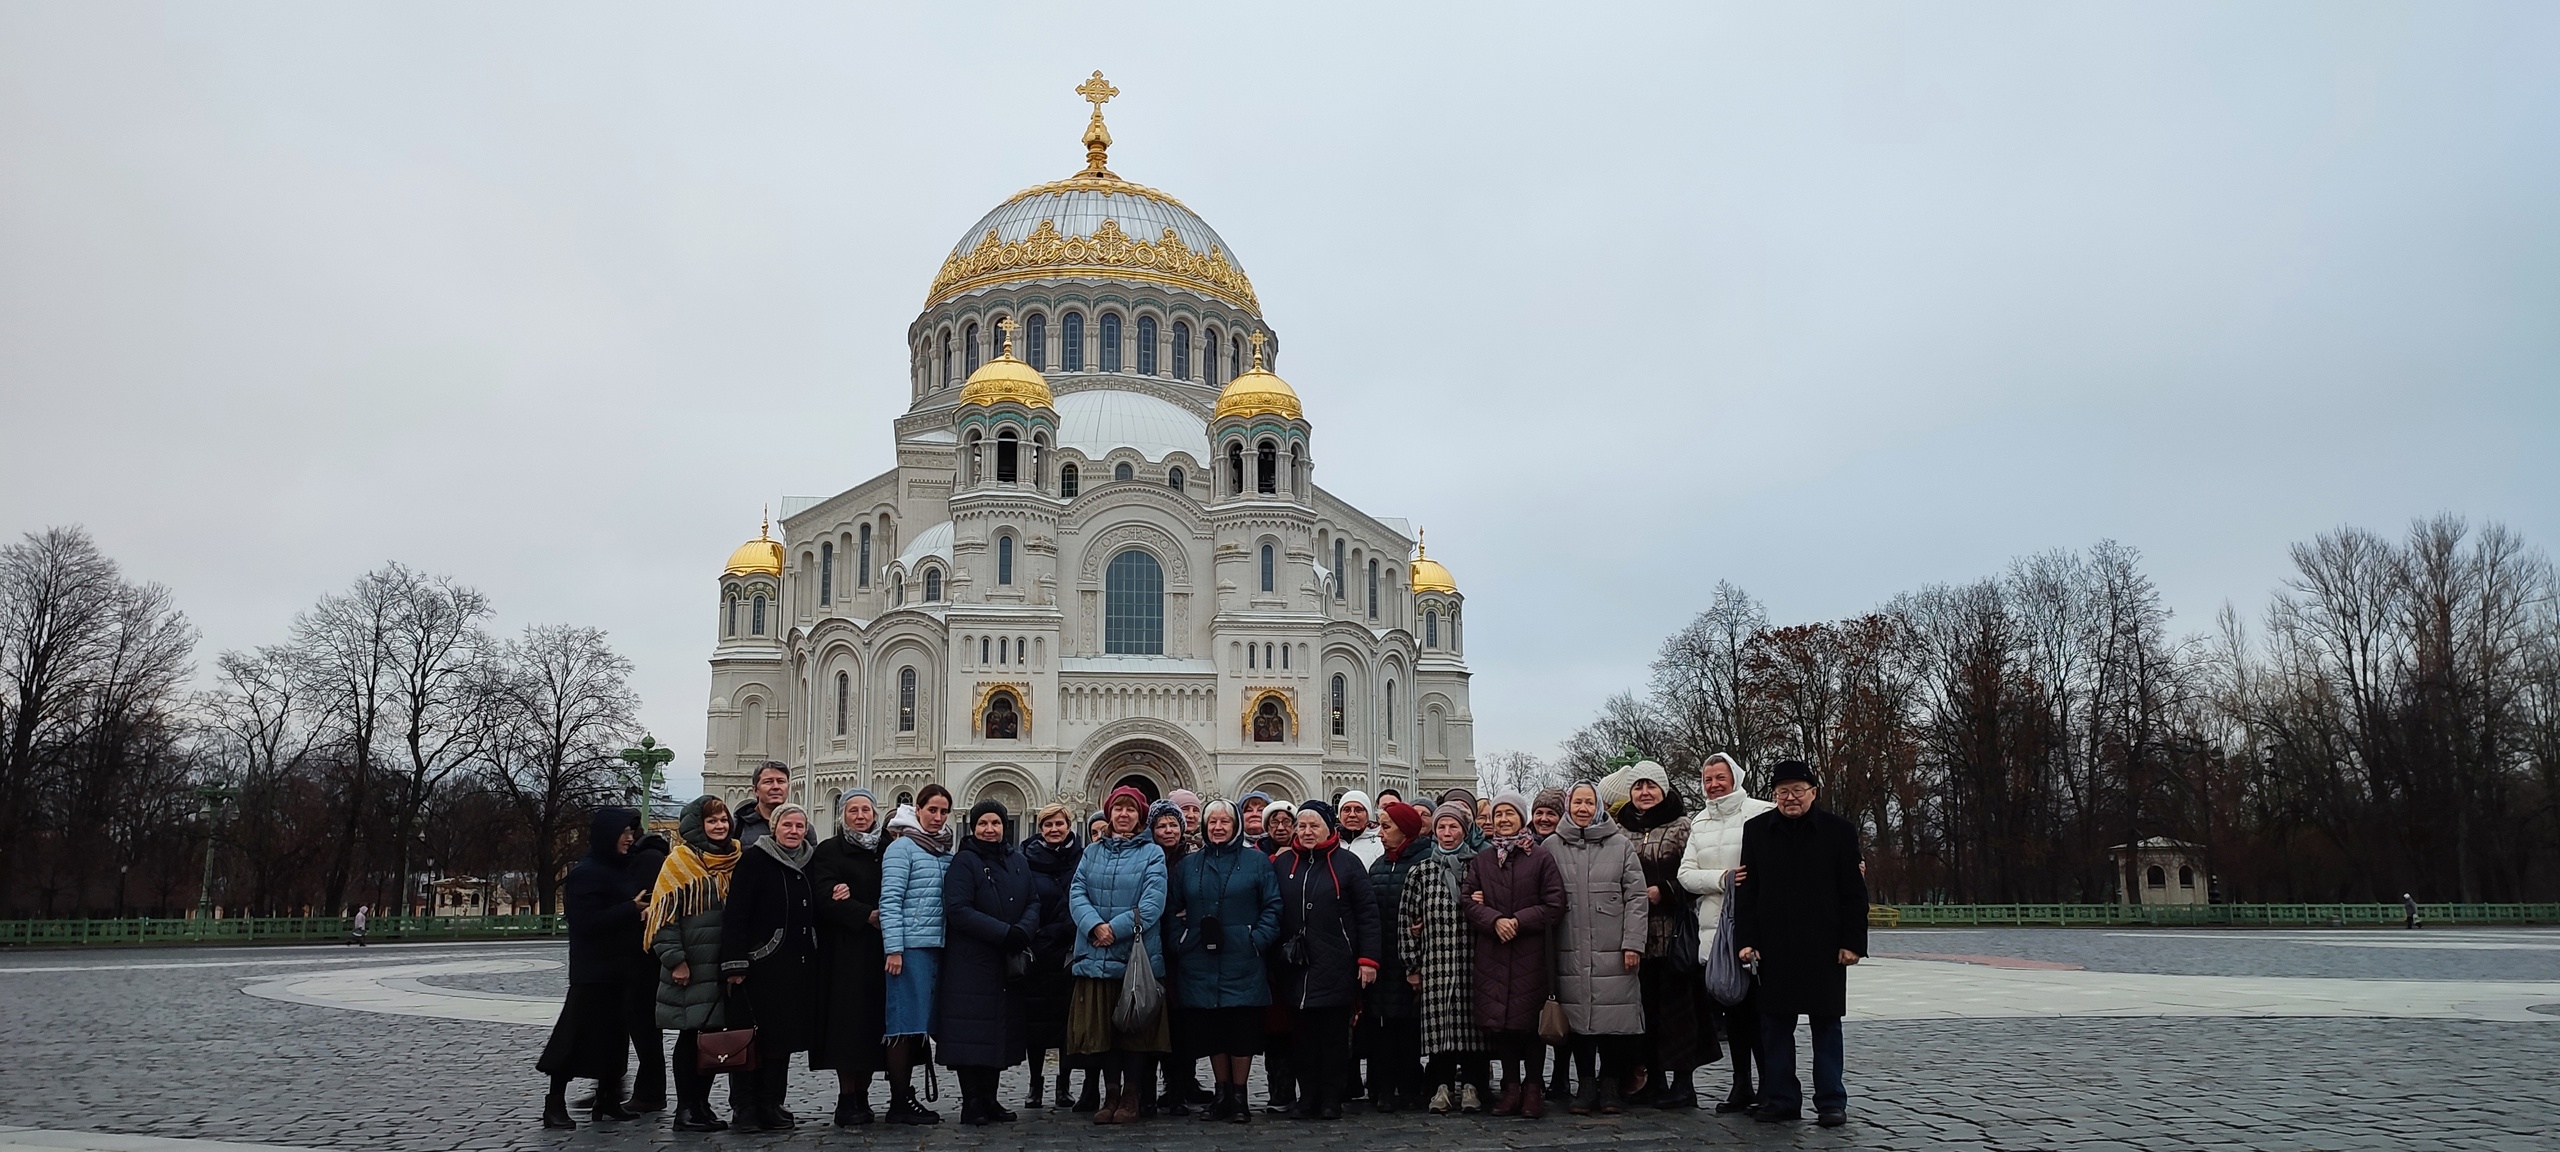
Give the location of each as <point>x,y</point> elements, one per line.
<point>1118,897</point>
<point>1225,910</point>
<point>991,910</point>
<point>911,940</point>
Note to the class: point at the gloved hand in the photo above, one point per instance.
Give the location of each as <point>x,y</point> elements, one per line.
<point>1015,939</point>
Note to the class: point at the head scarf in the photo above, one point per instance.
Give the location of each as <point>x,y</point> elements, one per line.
<point>1598,813</point>
<point>1001,846</point>
<point>695,877</point>
<point>1506,847</point>
<point>795,858</point>
<point>870,839</point>
<point>938,843</point>
<point>1235,824</point>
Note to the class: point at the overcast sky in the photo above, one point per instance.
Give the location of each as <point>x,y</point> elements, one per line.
<point>1832,302</point>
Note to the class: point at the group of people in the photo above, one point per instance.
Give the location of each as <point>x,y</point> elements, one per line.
<point>1395,951</point>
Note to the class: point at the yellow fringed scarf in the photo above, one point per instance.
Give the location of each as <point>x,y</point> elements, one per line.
<point>689,882</point>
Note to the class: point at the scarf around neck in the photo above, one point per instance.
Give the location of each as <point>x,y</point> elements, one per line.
<point>1506,847</point>
<point>938,843</point>
<point>792,858</point>
<point>692,880</point>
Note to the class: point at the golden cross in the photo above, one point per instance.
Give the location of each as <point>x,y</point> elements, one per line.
<point>1007,325</point>
<point>1421,544</point>
<point>1097,90</point>
<point>1256,340</point>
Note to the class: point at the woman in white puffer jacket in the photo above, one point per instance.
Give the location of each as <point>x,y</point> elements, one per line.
<point>1715,848</point>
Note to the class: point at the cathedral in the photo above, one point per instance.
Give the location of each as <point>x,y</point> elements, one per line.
<point>1102,557</point>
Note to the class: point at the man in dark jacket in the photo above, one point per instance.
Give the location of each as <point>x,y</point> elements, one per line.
<point>1801,915</point>
<point>772,789</point>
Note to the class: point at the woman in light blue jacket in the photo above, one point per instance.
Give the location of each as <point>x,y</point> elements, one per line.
<point>911,939</point>
<point>1118,893</point>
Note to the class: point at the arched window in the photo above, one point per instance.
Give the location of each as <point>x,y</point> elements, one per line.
<point>1008,458</point>
<point>1431,629</point>
<point>1146,345</point>
<point>1110,342</point>
<point>1004,649</point>
<point>1373,589</point>
<point>1181,350</point>
<point>1391,709</point>
<point>1284,657</point>
<point>1235,468</point>
<point>1235,357</point>
<point>1035,344</point>
<point>1004,559</point>
<point>973,463</point>
<point>1071,342</point>
<point>2158,877</point>
<point>1339,693</point>
<point>933,585</point>
<point>898,590</point>
<point>969,347</point>
<point>1133,605</point>
<point>1269,725</point>
<point>826,572</point>
<point>2186,876</point>
<point>1252,657</point>
<point>756,618</point>
<point>733,615</point>
<point>1173,478</point>
<point>906,699</point>
<point>1004,718</point>
<point>1266,465</point>
<point>947,365</point>
<point>1209,357</point>
<point>863,577</point>
<point>1297,471</point>
<point>844,696</point>
<point>986,650</point>
<point>1067,477</point>
<point>1122,471</point>
<point>1267,573</point>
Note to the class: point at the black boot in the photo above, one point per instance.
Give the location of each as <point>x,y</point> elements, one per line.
<point>609,1103</point>
<point>989,1105</point>
<point>1060,1095</point>
<point>1679,1095</point>
<point>692,1117</point>
<point>903,1108</point>
<point>1088,1098</point>
<point>973,1103</point>
<point>1038,1081</point>
<point>1240,1110</point>
<point>1740,1098</point>
<point>555,1112</point>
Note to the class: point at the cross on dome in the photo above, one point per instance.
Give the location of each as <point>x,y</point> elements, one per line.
<point>1097,139</point>
<point>1256,340</point>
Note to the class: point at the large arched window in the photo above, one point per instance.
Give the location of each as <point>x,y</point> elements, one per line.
<point>1181,350</point>
<point>1133,605</point>
<point>969,347</point>
<point>1122,471</point>
<point>1008,458</point>
<point>947,364</point>
<point>1297,471</point>
<point>1431,629</point>
<point>1209,357</point>
<point>1235,356</point>
<point>2158,877</point>
<point>1266,467</point>
<point>1391,709</point>
<point>863,577</point>
<point>1270,726</point>
<point>756,618</point>
<point>733,615</point>
<point>1004,717</point>
<point>1341,573</point>
<point>1267,573</point>
<point>1235,468</point>
<point>906,699</point>
<point>1146,345</point>
<point>1373,589</point>
<point>1339,692</point>
<point>1071,342</point>
<point>1035,344</point>
<point>1110,342</point>
<point>1004,559</point>
<point>1067,481</point>
<point>933,585</point>
<point>844,696</point>
<point>1173,478</point>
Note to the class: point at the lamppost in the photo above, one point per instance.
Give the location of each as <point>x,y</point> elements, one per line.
<point>213,797</point>
<point>645,761</point>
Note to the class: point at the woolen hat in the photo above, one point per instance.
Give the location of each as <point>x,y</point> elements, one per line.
<point>1792,770</point>
<point>1124,791</point>
<point>1406,817</point>
<point>1549,800</point>
<point>1466,813</point>
<point>1182,796</point>
<point>1322,810</point>
<point>1518,803</point>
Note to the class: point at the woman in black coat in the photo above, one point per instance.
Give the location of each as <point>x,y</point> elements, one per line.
<point>1327,955</point>
<point>1052,855</point>
<point>592,1039</point>
<point>769,953</point>
<point>989,910</point>
<point>844,874</point>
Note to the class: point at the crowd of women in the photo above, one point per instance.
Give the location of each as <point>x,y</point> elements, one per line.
<point>1462,955</point>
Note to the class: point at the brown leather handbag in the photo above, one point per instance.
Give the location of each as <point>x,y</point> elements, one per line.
<point>718,1050</point>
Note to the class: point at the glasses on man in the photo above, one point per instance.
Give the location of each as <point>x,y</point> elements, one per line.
<point>1793,791</point>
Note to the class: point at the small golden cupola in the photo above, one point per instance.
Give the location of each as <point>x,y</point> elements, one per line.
<point>1428,574</point>
<point>1007,378</point>
<point>1257,392</point>
<point>762,555</point>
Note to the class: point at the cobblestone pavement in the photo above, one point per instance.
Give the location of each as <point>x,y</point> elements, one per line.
<point>164,1043</point>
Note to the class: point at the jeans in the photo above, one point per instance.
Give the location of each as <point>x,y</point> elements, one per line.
<point>1779,1088</point>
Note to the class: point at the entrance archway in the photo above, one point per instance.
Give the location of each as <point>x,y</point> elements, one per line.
<point>1146,765</point>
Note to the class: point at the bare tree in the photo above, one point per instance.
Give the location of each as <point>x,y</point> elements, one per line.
<point>560,709</point>
<point>1513,771</point>
<point>345,646</point>
<point>58,598</point>
<point>436,647</point>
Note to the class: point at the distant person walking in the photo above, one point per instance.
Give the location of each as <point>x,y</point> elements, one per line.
<point>1801,913</point>
<point>355,927</point>
<point>2408,908</point>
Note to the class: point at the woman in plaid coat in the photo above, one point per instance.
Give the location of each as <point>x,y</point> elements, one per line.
<point>1438,949</point>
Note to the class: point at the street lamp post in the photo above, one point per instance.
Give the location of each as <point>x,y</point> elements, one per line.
<point>213,797</point>
<point>645,761</point>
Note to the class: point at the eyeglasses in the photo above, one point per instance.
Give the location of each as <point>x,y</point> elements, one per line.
<point>1793,791</point>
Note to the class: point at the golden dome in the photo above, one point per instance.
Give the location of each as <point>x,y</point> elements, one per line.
<point>1428,574</point>
<point>1007,378</point>
<point>760,556</point>
<point>1256,392</point>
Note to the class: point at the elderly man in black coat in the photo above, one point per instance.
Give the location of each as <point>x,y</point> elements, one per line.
<point>1801,915</point>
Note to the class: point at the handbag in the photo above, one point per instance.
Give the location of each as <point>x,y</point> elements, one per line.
<point>1141,997</point>
<point>1726,981</point>
<point>1551,1023</point>
<point>718,1050</point>
<point>1682,955</point>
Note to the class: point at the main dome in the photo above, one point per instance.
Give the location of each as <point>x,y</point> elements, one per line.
<point>1093,224</point>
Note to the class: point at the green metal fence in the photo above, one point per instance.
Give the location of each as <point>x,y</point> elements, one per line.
<point>276,929</point>
<point>2219,915</point>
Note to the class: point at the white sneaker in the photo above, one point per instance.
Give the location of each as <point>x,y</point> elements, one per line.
<point>1474,1103</point>
<point>1440,1100</point>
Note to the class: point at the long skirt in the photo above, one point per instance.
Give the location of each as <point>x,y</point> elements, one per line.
<point>590,1040</point>
<point>1089,1027</point>
<point>910,994</point>
<point>1678,1036</point>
